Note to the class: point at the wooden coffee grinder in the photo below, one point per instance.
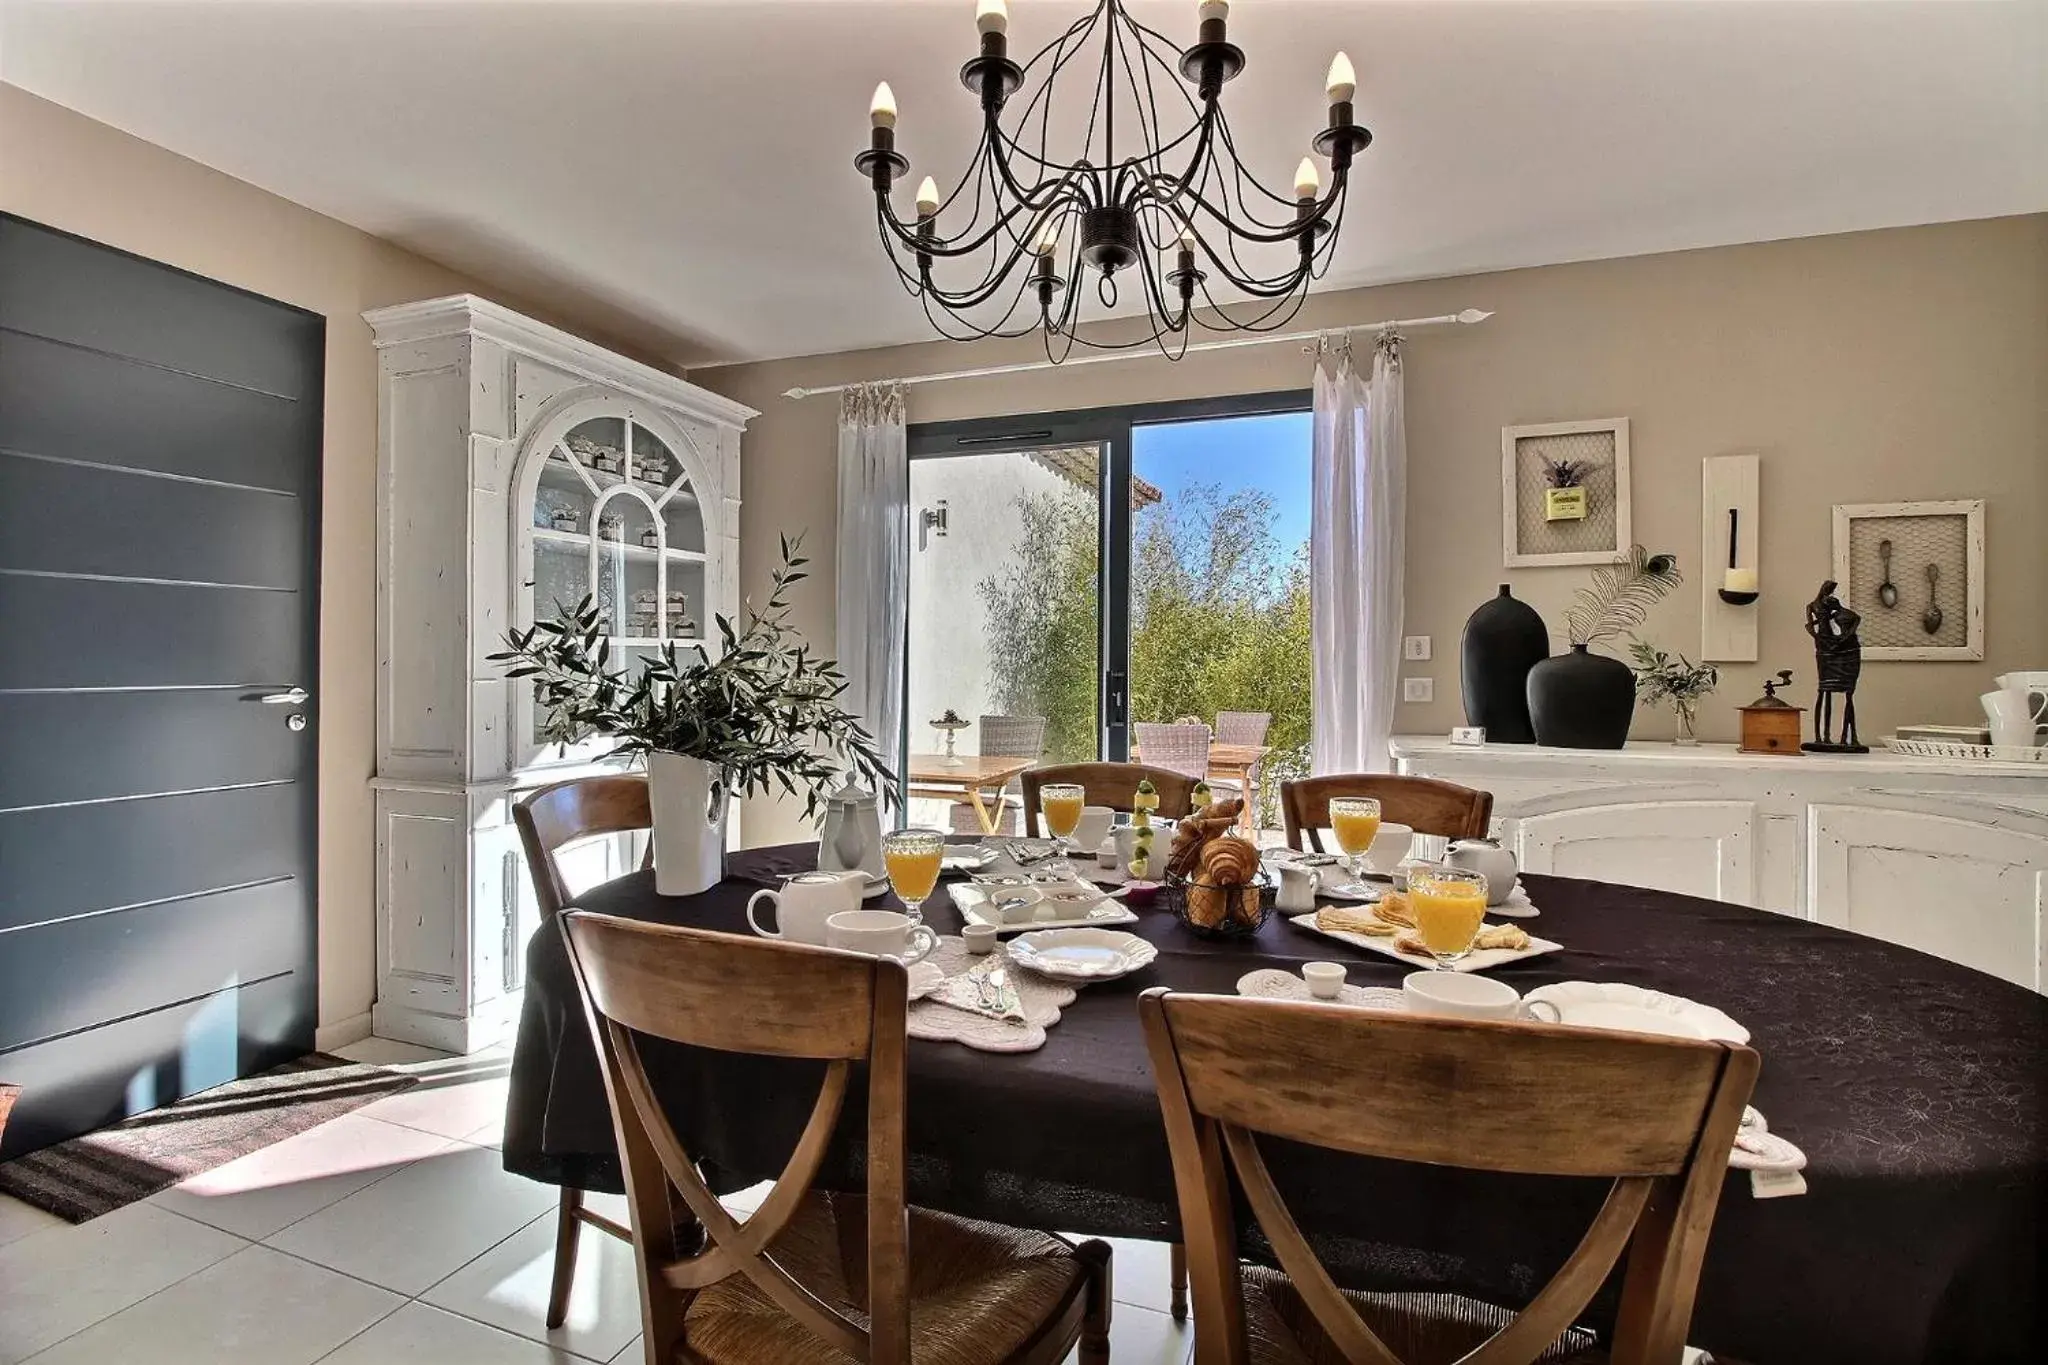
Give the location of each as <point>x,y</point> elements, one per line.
<point>1769,724</point>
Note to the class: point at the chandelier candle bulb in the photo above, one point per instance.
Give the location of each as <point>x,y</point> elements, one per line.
<point>1308,182</point>
<point>927,197</point>
<point>992,16</point>
<point>1342,82</point>
<point>882,109</point>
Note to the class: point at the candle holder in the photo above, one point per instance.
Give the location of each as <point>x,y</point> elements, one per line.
<point>1736,597</point>
<point>951,724</point>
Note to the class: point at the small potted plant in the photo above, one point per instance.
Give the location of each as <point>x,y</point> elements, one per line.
<point>1680,681</point>
<point>762,716</point>
<point>1565,499</point>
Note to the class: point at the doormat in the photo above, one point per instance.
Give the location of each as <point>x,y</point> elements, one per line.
<point>87,1176</point>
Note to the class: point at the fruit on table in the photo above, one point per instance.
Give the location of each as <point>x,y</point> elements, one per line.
<point>1147,798</point>
<point>1141,865</point>
<point>1201,796</point>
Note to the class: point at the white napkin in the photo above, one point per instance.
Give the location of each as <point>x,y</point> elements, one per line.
<point>980,991</point>
<point>1773,1163</point>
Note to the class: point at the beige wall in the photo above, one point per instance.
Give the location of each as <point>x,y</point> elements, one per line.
<point>1878,366</point>
<point>60,168</point>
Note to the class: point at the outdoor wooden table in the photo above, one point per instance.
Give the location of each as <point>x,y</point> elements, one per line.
<point>1234,763</point>
<point>974,775</point>
<point>1914,1085</point>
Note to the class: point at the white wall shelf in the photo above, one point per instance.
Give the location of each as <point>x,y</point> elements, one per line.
<point>579,542</point>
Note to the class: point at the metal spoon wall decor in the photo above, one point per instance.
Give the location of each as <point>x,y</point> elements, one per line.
<point>1887,592</point>
<point>1930,620</point>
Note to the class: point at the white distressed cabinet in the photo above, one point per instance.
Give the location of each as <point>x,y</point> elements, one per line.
<point>1946,856</point>
<point>518,468</point>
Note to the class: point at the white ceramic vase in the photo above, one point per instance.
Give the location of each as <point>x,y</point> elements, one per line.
<point>689,824</point>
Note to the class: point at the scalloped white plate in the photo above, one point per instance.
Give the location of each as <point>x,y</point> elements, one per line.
<point>1082,954</point>
<point>1616,1005</point>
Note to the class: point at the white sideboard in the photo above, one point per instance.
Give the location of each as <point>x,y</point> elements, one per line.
<point>479,415</point>
<point>1947,856</point>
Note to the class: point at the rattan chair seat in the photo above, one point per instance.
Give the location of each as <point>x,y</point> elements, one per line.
<point>1421,1329</point>
<point>978,1291</point>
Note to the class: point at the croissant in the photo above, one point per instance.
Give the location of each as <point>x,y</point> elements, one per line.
<point>1208,906</point>
<point>1229,861</point>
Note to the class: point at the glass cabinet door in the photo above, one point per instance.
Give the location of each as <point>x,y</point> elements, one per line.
<point>615,519</point>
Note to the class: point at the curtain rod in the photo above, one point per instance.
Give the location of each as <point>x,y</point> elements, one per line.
<point>1467,318</point>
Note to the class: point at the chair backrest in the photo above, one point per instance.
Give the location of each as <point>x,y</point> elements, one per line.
<point>1178,747</point>
<point>568,811</point>
<point>1242,727</point>
<point>1426,805</point>
<point>1012,736</point>
<point>1110,784</point>
<point>740,994</point>
<point>1657,1116</point>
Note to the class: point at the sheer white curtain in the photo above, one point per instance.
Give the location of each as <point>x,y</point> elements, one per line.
<point>874,560</point>
<point>1356,546</point>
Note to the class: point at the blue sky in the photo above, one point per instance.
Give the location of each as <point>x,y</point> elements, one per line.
<point>1270,453</point>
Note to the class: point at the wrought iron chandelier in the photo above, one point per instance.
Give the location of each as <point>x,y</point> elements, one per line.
<point>1172,212</point>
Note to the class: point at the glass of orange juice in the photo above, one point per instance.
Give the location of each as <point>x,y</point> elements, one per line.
<point>1060,804</point>
<point>913,857</point>
<point>1355,820</point>
<point>1449,904</point>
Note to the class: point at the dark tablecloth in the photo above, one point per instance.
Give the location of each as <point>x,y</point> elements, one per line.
<point>1915,1087</point>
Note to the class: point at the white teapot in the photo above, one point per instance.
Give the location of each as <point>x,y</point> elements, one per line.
<point>1490,860</point>
<point>851,838</point>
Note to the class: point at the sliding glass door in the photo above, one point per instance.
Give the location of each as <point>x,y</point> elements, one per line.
<point>1107,566</point>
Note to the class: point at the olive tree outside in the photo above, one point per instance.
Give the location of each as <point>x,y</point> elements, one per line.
<point>1219,621</point>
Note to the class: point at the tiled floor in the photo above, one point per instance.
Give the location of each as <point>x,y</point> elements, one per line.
<point>390,1236</point>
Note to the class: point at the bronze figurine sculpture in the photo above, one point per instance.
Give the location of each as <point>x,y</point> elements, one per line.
<point>1838,657</point>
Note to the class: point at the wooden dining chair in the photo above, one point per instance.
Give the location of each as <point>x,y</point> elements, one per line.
<point>810,1276</point>
<point>547,820</point>
<point>1426,805</point>
<point>1109,784</point>
<point>1656,1116</point>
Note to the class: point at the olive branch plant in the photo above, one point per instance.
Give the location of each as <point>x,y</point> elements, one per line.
<point>765,713</point>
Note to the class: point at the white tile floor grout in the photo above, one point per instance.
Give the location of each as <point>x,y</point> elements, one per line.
<point>437,1256</point>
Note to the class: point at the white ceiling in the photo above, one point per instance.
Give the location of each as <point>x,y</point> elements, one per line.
<point>689,162</point>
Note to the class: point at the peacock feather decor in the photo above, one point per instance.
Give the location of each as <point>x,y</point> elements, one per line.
<point>1620,596</point>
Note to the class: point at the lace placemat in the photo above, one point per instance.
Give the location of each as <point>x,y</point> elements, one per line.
<point>1270,983</point>
<point>1041,997</point>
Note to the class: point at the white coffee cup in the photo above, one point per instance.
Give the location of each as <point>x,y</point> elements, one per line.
<point>1388,848</point>
<point>979,938</point>
<point>881,933</point>
<point>1093,826</point>
<point>1460,995</point>
<point>1325,979</point>
<point>804,902</point>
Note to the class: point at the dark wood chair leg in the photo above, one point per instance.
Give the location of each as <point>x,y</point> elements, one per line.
<point>567,1226</point>
<point>1101,1297</point>
<point>1177,1282</point>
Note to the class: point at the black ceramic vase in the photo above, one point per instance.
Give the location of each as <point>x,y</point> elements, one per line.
<point>1504,639</point>
<point>1582,700</point>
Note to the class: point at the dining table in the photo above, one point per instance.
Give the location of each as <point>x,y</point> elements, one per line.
<point>1914,1086</point>
<point>979,778</point>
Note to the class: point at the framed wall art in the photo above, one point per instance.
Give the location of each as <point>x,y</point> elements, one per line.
<point>1915,572</point>
<point>1564,493</point>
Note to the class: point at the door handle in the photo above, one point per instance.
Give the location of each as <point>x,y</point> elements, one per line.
<point>293,696</point>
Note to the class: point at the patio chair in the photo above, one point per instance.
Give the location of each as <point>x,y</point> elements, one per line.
<point>1181,748</point>
<point>1243,727</point>
<point>1006,737</point>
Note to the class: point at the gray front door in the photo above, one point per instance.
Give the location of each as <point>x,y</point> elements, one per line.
<point>160,440</point>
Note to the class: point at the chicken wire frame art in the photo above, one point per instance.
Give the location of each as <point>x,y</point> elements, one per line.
<point>1948,535</point>
<point>1528,539</point>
